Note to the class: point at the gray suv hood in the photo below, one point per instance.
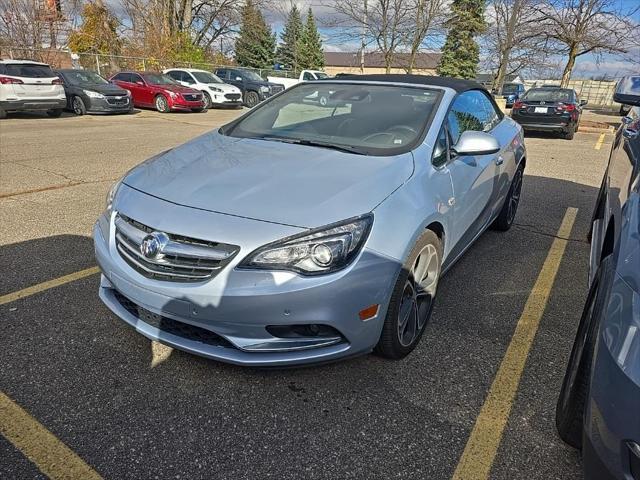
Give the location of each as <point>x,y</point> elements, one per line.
<point>270,181</point>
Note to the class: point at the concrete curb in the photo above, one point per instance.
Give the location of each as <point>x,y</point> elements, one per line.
<point>588,129</point>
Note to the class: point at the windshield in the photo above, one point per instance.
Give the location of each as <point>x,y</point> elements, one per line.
<point>206,77</point>
<point>366,119</point>
<point>249,75</point>
<point>548,95</point>
<point>509,88</point>
<point>80,77</point>
<point>159,79</point>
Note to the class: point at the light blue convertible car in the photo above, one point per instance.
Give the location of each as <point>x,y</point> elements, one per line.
<point>304,233</point>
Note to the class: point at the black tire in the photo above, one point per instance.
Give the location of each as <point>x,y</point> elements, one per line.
<point>55,113</point>
<point>569,134</point>
<point>391,344</point>
<point>208,103</point>
<point>3,114</point>
<point>78,106</point>
<point>162,104</point>
<point>507,214</point>
<point>251,99</point>
<point>572,400</point>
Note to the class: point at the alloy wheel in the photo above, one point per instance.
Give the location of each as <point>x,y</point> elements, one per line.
<point>78,106</point>
<point>161,104</point>
<point>514,198</point>
<point>418,294</point>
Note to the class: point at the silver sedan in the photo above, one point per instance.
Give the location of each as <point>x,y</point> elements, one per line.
<point>304,233</point>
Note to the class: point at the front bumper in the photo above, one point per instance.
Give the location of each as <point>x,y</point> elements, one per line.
<point>33,104</point>
<point>180,103</point>
<point>102,105</point>
<point>238,305</point>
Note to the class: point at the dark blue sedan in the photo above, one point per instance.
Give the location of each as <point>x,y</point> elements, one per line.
<point>599,405</point>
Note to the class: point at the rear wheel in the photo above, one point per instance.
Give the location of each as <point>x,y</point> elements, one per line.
<point>251,99</point>
<point>571,130</point>
<point>55,113</point>
<point>78,106</point>
<point>571,404</point>
<point>162,105</point>
<point>412,298</point>
<point>510,206</point>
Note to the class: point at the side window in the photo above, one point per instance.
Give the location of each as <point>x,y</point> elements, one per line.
<point>175,74</point>
<point>222,74</point>
<point>307,76</point>
<point>471,110</point>
<point>121,77</point>
<point>135,78</point>
<point>188,78</point>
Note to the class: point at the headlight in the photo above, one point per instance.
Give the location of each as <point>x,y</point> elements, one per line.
<point>215,89</point>
<point>323,250</point>
<point>264,89</point>
<point>172,94</point>
<point>92,94</point>
<point>112,195</point>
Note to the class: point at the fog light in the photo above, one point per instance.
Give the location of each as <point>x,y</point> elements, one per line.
<point>369,312</point>
<point>322,255</point>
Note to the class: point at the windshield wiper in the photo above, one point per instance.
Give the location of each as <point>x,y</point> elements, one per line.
<point>310,143</point>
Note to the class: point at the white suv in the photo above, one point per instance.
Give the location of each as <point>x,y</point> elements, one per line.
<point>26,86</point>
<point>215,91</point>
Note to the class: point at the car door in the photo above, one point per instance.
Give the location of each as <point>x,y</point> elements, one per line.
<point>474,178</point>
<point>143,92</point>
<point>235,79</point>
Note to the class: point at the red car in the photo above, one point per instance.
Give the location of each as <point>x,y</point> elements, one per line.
<point>156,90</point>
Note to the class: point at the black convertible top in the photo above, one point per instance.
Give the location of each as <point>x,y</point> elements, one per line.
<point>457,84</point>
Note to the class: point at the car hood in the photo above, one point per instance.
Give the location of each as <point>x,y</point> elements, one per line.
<point>271,181</point>
<point>177,88</point>
<point>104,89</point>
<point>225,87</point>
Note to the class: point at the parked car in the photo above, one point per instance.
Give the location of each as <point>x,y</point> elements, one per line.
<point>301,233</point>
<point>549,109</point>
<point>599,405</point>
<point>26,85</point>
<point>88,92</point>
<point>254,88</point>
<point>305,76</point>
<point>512,92</point>
<point>156,90</point>
<point>214,90</point>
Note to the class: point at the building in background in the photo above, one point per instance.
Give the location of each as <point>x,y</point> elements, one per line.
<point>349,62</point>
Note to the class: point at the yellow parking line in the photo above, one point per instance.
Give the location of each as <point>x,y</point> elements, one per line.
<point>41,287</point>
<point>600,142</point>
<point>481,448</point>
<point>39,445</point>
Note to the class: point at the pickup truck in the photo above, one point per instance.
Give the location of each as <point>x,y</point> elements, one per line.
<point>305,76</point>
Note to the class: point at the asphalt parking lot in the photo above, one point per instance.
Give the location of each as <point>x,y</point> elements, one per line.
<point>127,408</point>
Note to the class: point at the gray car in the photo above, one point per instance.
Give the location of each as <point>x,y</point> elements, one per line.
<point>599,405</point>
<point>304,233</point>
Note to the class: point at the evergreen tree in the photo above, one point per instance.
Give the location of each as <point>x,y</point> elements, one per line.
<point>461,54</point>
<point>289,50</point>
<point>256,44</point>
<point>311,45</point>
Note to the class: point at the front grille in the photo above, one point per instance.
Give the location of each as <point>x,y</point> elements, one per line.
<point>276,88</point>
<point>232,96</point>
<point>192,97</point>
<point>118,100</point>
<point>181,259</point>
<point>169,325</point>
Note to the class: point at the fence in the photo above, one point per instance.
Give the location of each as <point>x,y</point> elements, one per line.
<point>107,65</point>
<point>598,93</point>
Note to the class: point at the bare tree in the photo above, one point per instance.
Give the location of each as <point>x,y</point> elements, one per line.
<point>585,26</point>
<point>426,16</point>
<point>384,23</point>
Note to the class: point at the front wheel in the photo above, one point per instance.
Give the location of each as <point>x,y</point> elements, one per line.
<point>252,99</point>
<point>412,298</point>
<point>162,105</point>
<point>572,400</point>
<point>78,106</point>
<point>507,214</point>
<point>208,103</point>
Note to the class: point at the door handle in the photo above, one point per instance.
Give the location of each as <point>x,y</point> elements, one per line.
<point>499,160</point>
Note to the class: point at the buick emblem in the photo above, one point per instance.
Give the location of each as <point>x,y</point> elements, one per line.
<point>152,244</point>
<point>542,103</point>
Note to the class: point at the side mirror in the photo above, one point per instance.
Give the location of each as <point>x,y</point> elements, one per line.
<point>238,79</point>
<point>476,143</point>
<point>583,102</point>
